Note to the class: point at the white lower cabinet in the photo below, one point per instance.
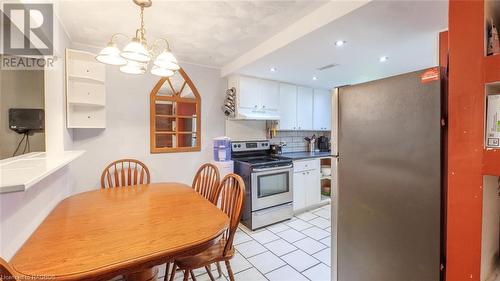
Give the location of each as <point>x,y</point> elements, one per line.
<point>306,184</point>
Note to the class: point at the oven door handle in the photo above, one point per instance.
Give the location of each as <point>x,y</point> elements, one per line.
<point>273,169</point>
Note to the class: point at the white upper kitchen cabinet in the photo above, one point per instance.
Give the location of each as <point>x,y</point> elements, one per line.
<point>287,106</point>
<point>249,92</point>
<point>322,113</point>
<point>255,98</point>
<point>270,95</point>
<point>304,108</point>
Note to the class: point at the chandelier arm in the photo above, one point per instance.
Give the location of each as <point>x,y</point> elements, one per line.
<point>162,40</point>
<point>114,36</point>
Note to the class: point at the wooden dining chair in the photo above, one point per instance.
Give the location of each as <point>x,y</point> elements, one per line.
<point>7,273</point>
<point>231,192</point>
<point>125,172</point>
<point>206,182</point>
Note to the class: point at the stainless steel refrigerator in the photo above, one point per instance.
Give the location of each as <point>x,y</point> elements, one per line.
<point>390,178</point>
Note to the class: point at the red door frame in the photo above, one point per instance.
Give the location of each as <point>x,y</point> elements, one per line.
<point>465,140</point>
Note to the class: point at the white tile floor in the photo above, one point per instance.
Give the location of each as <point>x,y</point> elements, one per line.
<point>294,250</point>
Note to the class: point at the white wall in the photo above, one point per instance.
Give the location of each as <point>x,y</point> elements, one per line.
<point>127,131</point>
<point>21,213</point>
<point>19,89</point>
<point>244,130</point>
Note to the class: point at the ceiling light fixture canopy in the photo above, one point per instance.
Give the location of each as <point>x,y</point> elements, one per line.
<point>340,43</point>
<point>137,54</point>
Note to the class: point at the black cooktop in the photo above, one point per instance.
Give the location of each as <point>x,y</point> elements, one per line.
<point>259,160</point>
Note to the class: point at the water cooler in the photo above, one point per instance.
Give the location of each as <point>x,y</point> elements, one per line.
<point>222,156</point>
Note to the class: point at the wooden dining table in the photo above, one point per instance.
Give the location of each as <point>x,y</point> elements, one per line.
<point>100,234</point>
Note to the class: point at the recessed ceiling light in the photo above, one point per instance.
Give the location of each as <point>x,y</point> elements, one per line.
<point>340,43</point>
<point>383,59</point>
<point>315,78</point>
<point>272,69</point>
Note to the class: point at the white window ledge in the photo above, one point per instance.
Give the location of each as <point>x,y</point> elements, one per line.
<point>22,172</point>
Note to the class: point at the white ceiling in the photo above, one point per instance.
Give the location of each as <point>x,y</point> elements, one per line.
<point>203,32</point>
<point>405,31</point>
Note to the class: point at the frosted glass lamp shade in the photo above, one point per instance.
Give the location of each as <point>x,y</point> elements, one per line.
<point>133,68</point>
<point>111,55</point>
<point>167,60</point>
<point>136,51</point>
<point>163,72</point>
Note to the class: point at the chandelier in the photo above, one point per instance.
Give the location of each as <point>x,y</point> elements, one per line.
<point>137,54</point>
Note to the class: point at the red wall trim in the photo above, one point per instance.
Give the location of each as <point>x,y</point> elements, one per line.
<point>465,139</point>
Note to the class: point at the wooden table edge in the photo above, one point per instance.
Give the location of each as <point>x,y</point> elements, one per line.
<point>135,265</point>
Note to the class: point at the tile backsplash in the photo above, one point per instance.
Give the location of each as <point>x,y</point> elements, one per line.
<point>295,139</point>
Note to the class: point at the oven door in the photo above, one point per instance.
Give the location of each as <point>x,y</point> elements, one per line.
<point>271,187</point>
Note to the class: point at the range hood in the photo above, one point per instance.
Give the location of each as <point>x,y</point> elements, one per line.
<point>248,114</point>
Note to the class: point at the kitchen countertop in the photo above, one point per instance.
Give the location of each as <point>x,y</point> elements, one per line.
<point>306,155</point>
<point>22,172</point>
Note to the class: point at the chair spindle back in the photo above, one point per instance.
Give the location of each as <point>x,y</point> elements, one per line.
<point>206,182</point>
<point>125,172</point>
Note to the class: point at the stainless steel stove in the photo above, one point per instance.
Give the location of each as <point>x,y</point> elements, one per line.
<point>268,180</point>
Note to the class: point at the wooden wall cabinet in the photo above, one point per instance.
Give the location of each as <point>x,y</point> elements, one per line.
<point>175,111</point>
<point>85,90</point>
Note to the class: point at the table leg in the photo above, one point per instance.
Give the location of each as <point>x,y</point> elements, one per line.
<point>150,274</point>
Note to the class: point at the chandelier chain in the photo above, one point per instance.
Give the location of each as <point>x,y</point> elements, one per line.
<point>143,37</point>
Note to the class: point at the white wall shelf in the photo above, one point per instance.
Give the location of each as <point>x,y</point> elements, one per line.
<point>85,79</point>
<point>85,91</point>
<point>84,103</point>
